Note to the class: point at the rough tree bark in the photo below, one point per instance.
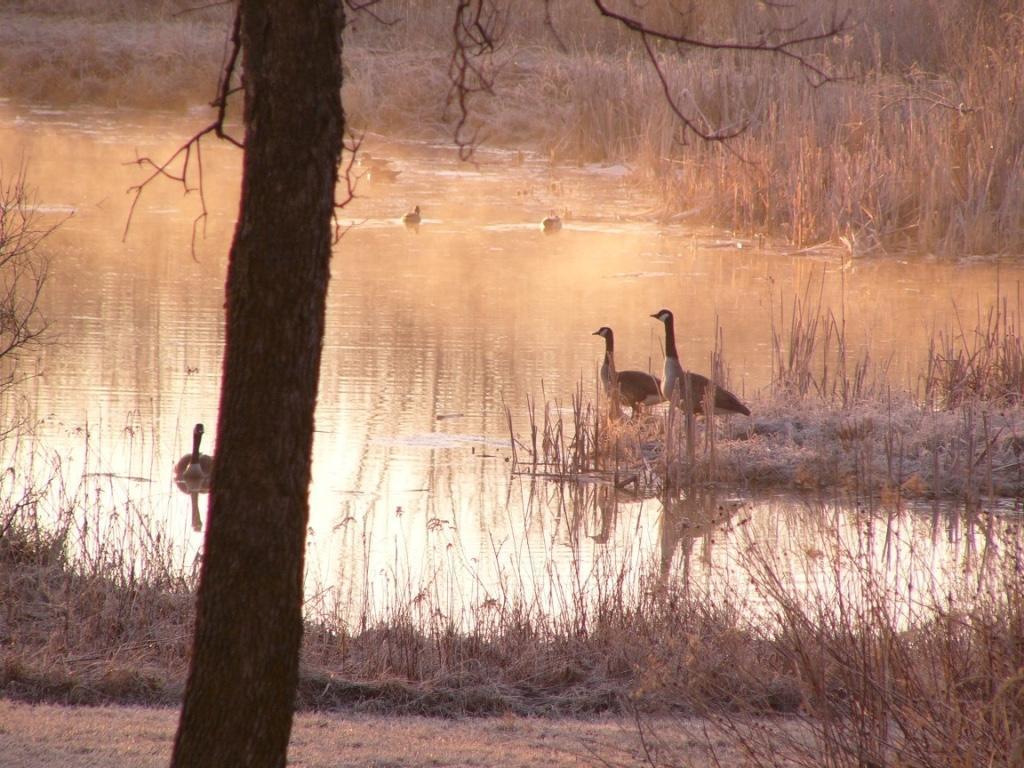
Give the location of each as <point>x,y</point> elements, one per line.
<point>244,671</point>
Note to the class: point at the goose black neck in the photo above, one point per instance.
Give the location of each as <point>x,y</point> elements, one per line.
<point>609,344</point>
<point>197,438</point>
<point>670,338</point>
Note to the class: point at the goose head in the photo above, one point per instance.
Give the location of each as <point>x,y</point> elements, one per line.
<point>664,315</point>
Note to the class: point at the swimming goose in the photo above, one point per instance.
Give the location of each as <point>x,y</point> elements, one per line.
<point>192,475</point>
<point>674,377</point>
<point>551,224</point>
<point>636,388</point>
<point>412,218</point>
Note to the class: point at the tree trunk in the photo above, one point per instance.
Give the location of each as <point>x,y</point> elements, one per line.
<point>241,685</point>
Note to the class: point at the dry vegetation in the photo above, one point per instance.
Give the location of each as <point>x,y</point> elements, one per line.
<point>922,146</point>
<point>872,652</point>
<point>917,143</point>
<point>133,737</point>
<point>829,419</point>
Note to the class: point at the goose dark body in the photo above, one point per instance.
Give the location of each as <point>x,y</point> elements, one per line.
<point>636,388</point>
<point>193,475</point>
<point>691,386</point>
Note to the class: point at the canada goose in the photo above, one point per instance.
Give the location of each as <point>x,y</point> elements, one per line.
<point>551,224</point>
<point>636,388</point>
<point>192,475</point>
<point>674,376</point>
<point>412,218</point>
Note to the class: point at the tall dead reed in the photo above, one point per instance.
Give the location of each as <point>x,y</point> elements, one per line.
<point>985,362</point>
<point>895,666</point>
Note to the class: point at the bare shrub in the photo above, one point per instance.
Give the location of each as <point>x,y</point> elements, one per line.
<point>23,273</point>
<point>895,665</point>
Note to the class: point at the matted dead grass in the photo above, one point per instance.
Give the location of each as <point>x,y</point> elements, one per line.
<point>46,736</point>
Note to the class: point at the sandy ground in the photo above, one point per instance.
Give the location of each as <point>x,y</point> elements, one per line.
<point>45,736</point>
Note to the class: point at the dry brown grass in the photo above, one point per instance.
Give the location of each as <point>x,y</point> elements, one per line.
<point>868,666</point>
<point>127,53</point>
<point>128,737</point>
<point>879,656</point>
<point>896,673</point>
<point>919,144</point>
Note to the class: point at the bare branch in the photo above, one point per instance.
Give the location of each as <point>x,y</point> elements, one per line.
<point>477,27</point>
<point>549,22</point>
<point>350,145</point>
<point>204,7</point>
<point>23,274</point>
<point>781,48</point>
<point>165,171</point>
<point>184,153</point>
<point>816,75</point>
<point>366,6</point>
<point>224,89</point>
<point>667,91</point>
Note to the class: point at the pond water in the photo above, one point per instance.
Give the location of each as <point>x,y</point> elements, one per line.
<point>430,335</point>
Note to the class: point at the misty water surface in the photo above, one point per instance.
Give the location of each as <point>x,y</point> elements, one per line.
<point>430,335</point>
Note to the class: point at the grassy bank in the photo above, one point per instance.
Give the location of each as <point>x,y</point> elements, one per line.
<point>877,655</point>
<point>917,143</point>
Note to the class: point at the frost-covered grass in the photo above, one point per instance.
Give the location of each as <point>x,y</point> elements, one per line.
<point>828,420</point>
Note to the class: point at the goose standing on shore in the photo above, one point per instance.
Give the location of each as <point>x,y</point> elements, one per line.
<point>551,224</point>
<point>635,388</point>
<point>192,475</point>
<point>675,376</point>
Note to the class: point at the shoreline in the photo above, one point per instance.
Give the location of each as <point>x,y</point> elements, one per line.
<point>835,164</point>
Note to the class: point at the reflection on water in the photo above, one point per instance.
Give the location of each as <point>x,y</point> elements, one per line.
<point>430,332</point>
<point>565,549</point>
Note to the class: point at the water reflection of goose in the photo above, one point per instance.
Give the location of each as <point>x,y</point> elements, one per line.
<point>192,475</point>
<point>687,518</point>
<point>635,388</point>
<point>412,218</point>
<point>691,386</point>
<point>551,224</point>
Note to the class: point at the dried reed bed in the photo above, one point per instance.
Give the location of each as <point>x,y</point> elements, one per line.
<point>893,674</point>
<point>111,54</point>
<point>99,608</point>
<point>917,143</point>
